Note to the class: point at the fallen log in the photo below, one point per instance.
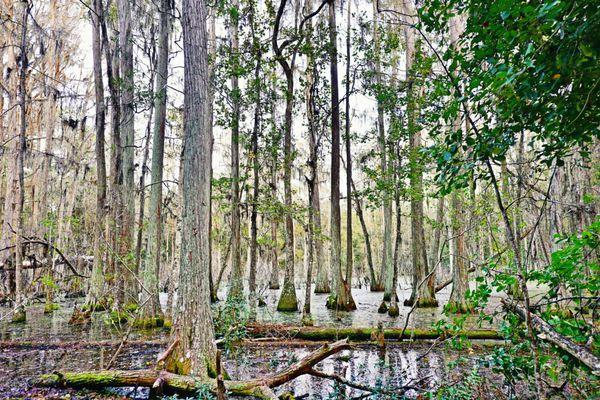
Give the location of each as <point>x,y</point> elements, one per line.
<point>312,333</point>
<point>549,334</point>
<point>261,387</point>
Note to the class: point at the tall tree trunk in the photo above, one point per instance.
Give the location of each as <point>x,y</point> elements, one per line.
<point>194,351</point>
<point>255,165</point>
<point>128,141</point>
<point>349,256</point>
<point>113,228</point>
<point>423,282</point>
<point>212,49</point>
<point>288,300</point>
<point>151,313</point>
<point>343,296</point>
<point>20,298</point>
<point>236,287</point>
<point>322,281</point>
<point>95,295</point>
<point>386,255</point>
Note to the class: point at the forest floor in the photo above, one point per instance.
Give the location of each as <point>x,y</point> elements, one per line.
<point>47,342</point>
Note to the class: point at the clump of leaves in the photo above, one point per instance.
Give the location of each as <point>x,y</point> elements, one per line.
<point>231,320</point>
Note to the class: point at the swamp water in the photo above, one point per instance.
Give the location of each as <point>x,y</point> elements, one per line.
<point>47,343</point>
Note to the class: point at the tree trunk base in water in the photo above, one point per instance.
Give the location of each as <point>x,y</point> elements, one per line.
<point>421,303</point>
<point>149,322</point>
<point>322,290</point>
<point>377,287</point>
<point>288,300</point>
<point>383,308</point>
<point>393,310</point>
<point>459,307</point>
<point>162,381</point>
<point>307,320</point>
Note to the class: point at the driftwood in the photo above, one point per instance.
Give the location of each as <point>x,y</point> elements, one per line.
<point>261,387</point>
<point>359,334</point>
<point>549,334</point>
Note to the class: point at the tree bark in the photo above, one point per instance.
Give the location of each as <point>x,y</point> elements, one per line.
<point>194,351</point>
<point>287,300</point>
<point>255,163</point>
<point>236,287</point>
<point>343,295</point>
<point>125,56</point>
<point>151,314</point>
<point>20,298</point>
<point>95,295</point>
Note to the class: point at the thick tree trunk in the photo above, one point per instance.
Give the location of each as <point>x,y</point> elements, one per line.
<point>151,314</point>
<point>236,286</point>
<point>343,294</point>
<point>194,348</point>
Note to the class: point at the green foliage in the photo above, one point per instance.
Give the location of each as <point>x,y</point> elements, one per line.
<point>519,66</point>
<point>230,320</point>
<point>463,390</point>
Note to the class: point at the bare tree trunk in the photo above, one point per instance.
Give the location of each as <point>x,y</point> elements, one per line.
<point>212,49</point>
<point>236,287</point>
<point>343,296</point>
<point>194,348</point>
<point>130,289</point>
<point>255,166</point>
<point>288,300</point>
<point>349,259</point>
<point>95,295</point>
<point>322,284</point>
<point>20,298</point>
<point>152,314</point>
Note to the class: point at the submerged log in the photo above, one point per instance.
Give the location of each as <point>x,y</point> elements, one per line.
<point>549,334</point>
<point>261,387</point>
<point>361,334</point>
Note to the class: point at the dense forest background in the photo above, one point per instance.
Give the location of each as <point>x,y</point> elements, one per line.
<point>159,157</point>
